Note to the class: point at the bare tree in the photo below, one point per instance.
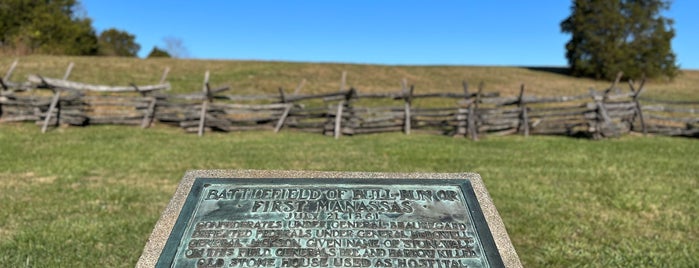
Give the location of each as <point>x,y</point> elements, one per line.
<point>175,47</point>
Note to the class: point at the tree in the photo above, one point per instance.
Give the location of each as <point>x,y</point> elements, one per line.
<point>158,53</point>
<point>45,26</point>
<point>113,42</point>
<point>175,47</point>
<point>611,36</point>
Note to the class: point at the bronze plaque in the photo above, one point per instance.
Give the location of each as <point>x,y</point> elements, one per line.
<point>330,223</point>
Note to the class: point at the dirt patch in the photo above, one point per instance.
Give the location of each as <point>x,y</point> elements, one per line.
<point>11,180</point>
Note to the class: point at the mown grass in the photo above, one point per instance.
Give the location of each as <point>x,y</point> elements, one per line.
<point>255,77</point>
<point>85,197</point>
<point>88,197</point>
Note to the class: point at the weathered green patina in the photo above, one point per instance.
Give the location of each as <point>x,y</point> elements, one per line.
<point>330,223</point>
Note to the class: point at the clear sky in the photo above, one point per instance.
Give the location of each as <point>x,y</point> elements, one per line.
<point>466,32</point>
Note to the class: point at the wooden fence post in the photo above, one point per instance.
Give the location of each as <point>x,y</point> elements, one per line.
<point>49,112</point>
<point>54,101</point>
<point>603,120</point>
<point>8,74</point>
<point>343,81</point>
<point>164,76</point>
<point>472,110</point>
<point>614,85</point>
<point>408,97</point>
<point>637,104</point>
<point>337,131</point>
<point>204,104</point>
<point>300,86</point>
<point>338,120</point>
<point>524,125</point>
<point>150,111</point>
<point>67,73</point>
<point>280,122</point>
<point>461,118</point>
<point>148,117</point>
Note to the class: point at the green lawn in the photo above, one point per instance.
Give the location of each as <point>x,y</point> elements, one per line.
<point>89,197</point>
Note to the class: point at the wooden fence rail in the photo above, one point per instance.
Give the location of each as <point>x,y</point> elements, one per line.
<point>473,114</point>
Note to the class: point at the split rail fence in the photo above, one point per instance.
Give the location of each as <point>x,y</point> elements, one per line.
<point>468,113</point>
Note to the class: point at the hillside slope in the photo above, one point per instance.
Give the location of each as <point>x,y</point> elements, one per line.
<point>255,77</point>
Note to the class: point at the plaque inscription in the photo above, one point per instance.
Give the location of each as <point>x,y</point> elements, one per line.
<point>319,223</point>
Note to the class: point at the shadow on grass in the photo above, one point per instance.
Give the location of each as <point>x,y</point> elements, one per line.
<point>554,70</point>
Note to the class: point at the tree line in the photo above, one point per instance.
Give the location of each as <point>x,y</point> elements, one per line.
<point>612,36</point>
<point>59,27</point>
<point>607,37</point>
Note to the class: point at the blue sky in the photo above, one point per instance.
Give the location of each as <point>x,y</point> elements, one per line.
<point>497,32</point>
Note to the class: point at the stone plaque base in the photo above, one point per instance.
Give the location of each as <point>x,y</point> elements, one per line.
<point>249,218</point>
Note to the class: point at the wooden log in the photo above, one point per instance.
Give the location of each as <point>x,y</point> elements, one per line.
<point>614,85</point>
<point>215,91</point>
<point>280,123</point>
<point>164,76</point>
<point>205,103</point>
<point>637,106</point>
<point>52,107</point>
<point>9,72</point>
<point>338,117</point>
<point>671,102</point>
<point>602,114</point>
<point>317,96</point>
<point>612,105</point>
<point>381,118</point>
<point>494,121</point>
<point>111,120</point>
<point>148,117</point>
<point>686,120</point>
<point>473,130</point>
<point>571,112</point>
<point>381,124</point>
<point>462,129</point>
<point>661,108</point>
<point>255,120</point>
<point>377,130</point>
<point>343,81</point>
<point>488,128</point>
<point>270,97</point>
<point>251,107</point>
<point>57,83</point>
<point>299,86</point>
<point>503,101</point>
<point>484,117</point>
<point>68,71</point>
<point>421,110</point>
<point>524,126</point>
<point>4,87</point>
<point>18,118</point>
<point>112,104</point>
<point>621,113</point>
<point>408,101</point>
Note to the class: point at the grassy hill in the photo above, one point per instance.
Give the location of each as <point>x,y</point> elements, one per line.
<point>255,77</point>
<point>89,197</point>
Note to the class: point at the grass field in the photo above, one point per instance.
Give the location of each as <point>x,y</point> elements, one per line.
<point>89,197</point>
<point>249,77</point>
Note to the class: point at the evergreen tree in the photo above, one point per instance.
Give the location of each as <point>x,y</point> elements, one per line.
<point>113,42</point>
<point>158,53</point>
<point>609,36</point>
